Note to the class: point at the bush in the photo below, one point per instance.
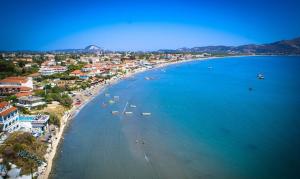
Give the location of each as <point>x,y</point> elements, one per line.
<point>54,119</point>
<point>22,141</point>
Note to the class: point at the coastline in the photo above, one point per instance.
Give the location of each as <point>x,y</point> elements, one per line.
<point>96,90</point>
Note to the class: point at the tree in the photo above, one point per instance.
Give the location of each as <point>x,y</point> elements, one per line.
<point>54,120</point>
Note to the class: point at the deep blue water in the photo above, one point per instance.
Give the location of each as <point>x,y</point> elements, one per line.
<point>205,123</point>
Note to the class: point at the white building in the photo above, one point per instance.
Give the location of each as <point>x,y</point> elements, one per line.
<point>50,70</point>
<point>9,120</point>
<point>13,85</point>
<point>30,102</point>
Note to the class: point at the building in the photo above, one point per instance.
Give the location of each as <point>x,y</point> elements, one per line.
<point>35,124</point>
<point>16,85</point>
<point>30,102</point>
<point>50,70</point>
<point>9,118</point>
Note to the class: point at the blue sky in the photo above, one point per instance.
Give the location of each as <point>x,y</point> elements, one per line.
<point>144,25</point>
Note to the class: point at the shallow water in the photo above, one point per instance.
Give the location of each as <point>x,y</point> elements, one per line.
<point>205,123</point>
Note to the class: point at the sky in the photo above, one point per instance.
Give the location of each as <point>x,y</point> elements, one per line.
<point>144,25</point>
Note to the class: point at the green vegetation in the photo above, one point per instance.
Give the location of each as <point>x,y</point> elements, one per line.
<point>59,58</point>
<point>54,119</point>
<point>22,141</point>
<point>8,68</point>
<point>76,67</point>
<point>55,94</point>
<point>12,98</point>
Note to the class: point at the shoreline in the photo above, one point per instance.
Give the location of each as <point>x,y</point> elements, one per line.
<point>99,88</point>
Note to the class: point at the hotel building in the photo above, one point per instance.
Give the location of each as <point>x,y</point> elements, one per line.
<point>9,118</point>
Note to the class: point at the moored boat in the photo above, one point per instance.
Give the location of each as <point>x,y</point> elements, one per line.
<point>115,112</point>
<point>260,76</point>
<point>146,113</point>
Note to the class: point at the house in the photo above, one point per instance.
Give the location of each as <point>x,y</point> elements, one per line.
<point>30,102</point>
<point>16,85</point>
<point>76,73</point>
<point>50,70</point>
<point>35,124</point>
<point>9,121</point>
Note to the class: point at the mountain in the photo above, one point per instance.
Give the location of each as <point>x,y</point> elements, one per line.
<point>280,47</point>
<point>92,48</point>
<point>88,49</point>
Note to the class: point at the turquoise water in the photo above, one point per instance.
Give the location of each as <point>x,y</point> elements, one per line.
<point>26,118</point>
<point>205,123</point>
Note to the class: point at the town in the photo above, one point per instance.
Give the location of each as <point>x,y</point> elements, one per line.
<point>40,92</point>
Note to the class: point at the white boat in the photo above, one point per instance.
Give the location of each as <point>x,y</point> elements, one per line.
<point>146,113</point>
<point>128,112</point>
<point>116,97</point>
<point>133,106</point>
<point>107,94</point>
<point>115,112</point>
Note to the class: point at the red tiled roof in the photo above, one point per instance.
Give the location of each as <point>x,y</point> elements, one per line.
<point>3,104</point>
<point>14,80</point>
<point>76,72</point>
<point>22,88</point>
<point>8,111</point>
<point>23,94</point>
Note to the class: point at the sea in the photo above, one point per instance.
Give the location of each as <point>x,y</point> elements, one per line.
<point>210,119</point>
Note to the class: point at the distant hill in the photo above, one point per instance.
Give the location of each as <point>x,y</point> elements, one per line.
<point>92,48</point>
<point>279,47</point>
<point>88,49</point>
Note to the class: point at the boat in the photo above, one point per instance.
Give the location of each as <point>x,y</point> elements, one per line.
<point>128,112</point>
<point>111,101</point>
<point>116,97</point>
<point>147,78</point>
<point>133,106</point>
<point>260,76</point>
<point>146,113</point>
<point>107,94</point>
<point>114,112</point>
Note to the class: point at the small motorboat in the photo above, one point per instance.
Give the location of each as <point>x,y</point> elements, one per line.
<point>133,106</point>
<point>128,112</point>
<point>260,76</point>
<point>146,113</point>
<point>107,94</point>
<point>114,112</point>
<point>116,97</point>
